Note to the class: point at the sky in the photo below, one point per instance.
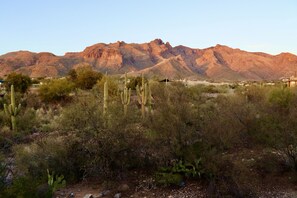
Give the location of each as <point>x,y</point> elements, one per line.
<point>60,26</point>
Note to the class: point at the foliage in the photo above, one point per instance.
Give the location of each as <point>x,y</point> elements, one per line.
<point>168,179</point>
<point>174,174</point>
<point>83,115</point>
<point>134,82</point>
<point>113,87</point>
<point>200,136</point>
<point>55,182</point>
<point>22,186</point>
<point>56,90</point>
<point>84,77</point>
<point>3,173</point>
<point>21,82</point>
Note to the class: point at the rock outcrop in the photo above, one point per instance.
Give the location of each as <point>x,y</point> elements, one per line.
<point>156,58</point>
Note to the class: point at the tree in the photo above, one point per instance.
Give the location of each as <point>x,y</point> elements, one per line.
<point>56,90</point>
<point>84,77</point>
<point>20,82</point>
<point>134,82</point>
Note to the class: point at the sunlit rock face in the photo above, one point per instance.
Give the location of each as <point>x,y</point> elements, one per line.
<point>156,58</point>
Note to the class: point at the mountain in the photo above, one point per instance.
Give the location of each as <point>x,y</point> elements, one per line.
<point>156,58</point>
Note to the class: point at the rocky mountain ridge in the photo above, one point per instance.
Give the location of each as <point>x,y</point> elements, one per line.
<point>156,58</point>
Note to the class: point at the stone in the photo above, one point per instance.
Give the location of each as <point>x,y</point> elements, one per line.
<point>88,196</point>
<point>104,193</point>
<point>118,195</point>
<point>123,188</point>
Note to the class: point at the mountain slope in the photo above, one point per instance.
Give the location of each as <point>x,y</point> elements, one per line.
<point>156,58</point>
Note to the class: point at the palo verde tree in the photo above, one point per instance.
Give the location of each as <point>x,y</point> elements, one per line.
<point>84,77</point>
<point>20,82</point>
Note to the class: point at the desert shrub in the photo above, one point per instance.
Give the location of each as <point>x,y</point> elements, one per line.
<point>3,173</point>
<point>52,153</point>
<point>3,119</point>
<point>107,148</point>
<point>270,163</point>
<point>84,115</point>
<point>168,179</point>
<point>178,171</point>
<point>214,89</point>
<point>48,119</point>
<point>174,119</point>
<point>281,99</point>
<point>32,100</point>
<point>255,94</point>
<point>234,120</point>
<point>226,177</point>
<point>56,90</point>
<point>22,186</point>
<point>27,122</point>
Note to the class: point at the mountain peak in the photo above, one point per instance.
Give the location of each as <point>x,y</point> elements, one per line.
<point>219,62</point>
<point>157,41</point>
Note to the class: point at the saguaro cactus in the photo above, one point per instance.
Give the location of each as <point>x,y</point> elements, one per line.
<point>105,97</point>
<point>143,94</point>
<point>125,96</point>
<point>11,110</point>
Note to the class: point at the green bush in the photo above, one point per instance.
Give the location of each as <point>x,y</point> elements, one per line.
<point>84,77</point>
<point>56,90</point>
<point>20,82</point>
<point>168,179</point>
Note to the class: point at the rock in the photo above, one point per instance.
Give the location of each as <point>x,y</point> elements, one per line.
<point>103,194</point>
<point>123,188</point>
<point>88,196</point>
<point>71,195</point>
<point>42,190</point>
<point>118,195</point>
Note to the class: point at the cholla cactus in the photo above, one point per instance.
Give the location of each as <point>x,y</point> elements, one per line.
<point>11,110</point>
<point>125,96</point>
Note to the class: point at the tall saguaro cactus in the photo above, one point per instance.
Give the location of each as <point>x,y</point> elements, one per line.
<point>105,98</point>
<point>11,109</point>
<point>125,96</point>
<point>143,94</point>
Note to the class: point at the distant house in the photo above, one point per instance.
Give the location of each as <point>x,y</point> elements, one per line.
<point>2,90</point>
<point>1,82</point>
<point>165,80</point>
<point>290,82</point>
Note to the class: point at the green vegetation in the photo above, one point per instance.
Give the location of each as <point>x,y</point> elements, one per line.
<point>12,110</point>
<point>21,82</point>
<point>223,139</point>
<point>56,90</point>
<point>84,77</point>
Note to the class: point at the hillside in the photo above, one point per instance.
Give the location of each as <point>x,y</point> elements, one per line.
<point>156,58</point>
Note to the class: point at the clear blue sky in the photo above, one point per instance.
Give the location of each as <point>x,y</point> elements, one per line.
<point>61,26</point>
